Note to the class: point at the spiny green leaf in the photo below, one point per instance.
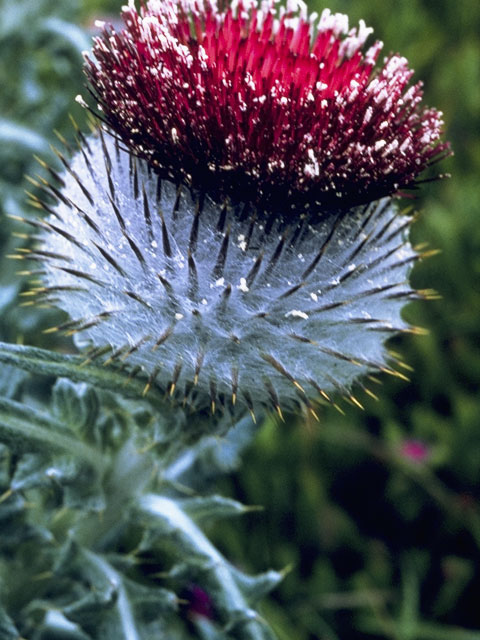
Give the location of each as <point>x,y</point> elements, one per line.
<point>211,508</point>
<point>75,404</point>
<point>57,627</point>
<point>208,630</point>
<point>149,601</point>
<point>43,362</point>
<point>35,470</point>
<point>256,587</point>
<point>167,521</point>
<point>26,429</point>
<point>107,593</point>
<point>248,623</point>
<point>80,485</point>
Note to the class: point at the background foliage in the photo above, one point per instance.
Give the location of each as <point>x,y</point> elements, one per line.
<point>379,546</point>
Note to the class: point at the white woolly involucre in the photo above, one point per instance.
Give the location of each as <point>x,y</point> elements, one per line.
<point>216,304</point>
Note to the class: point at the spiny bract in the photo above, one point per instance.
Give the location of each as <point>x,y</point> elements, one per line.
<point>219,304</point>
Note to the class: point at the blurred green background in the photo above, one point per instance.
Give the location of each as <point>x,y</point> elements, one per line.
<point>376,512</point>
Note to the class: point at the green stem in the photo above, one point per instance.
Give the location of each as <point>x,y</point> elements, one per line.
<point>129,474</point>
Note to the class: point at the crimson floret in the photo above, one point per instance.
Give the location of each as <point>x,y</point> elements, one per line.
<point>263,104</point>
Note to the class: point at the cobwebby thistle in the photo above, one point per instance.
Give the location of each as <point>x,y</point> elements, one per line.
<point>235,239</point>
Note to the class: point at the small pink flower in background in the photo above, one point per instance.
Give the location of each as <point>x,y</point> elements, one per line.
<point>415,451</point>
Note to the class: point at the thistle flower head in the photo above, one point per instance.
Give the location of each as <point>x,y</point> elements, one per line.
<point>173,245</point>
<point>265,101</point>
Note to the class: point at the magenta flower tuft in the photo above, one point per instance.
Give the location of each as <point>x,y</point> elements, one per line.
<point>273,103</point>
<point>199,602</point>
<point>415,451</point>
